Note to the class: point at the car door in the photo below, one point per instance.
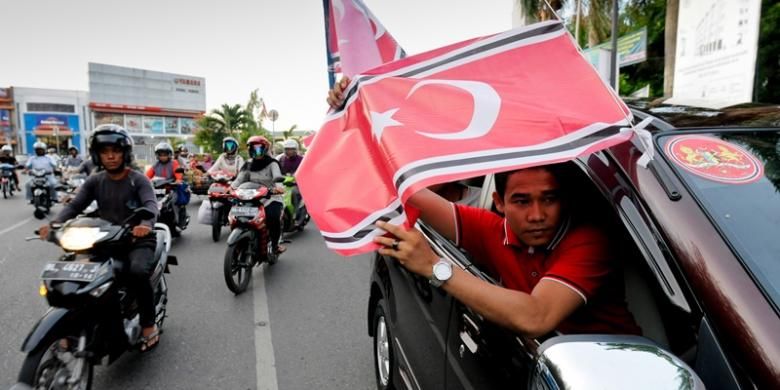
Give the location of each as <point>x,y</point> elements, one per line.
<point>419,316</point>
<point>479,354</point>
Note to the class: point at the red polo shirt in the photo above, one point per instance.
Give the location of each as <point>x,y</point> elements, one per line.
<point>578,257</point>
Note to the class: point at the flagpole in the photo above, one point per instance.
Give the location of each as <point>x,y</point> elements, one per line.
<point>326,13</point>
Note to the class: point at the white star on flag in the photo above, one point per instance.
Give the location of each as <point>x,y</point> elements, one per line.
<point>380,120</point>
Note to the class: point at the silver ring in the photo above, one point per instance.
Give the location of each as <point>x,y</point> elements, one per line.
<point>395,245</point>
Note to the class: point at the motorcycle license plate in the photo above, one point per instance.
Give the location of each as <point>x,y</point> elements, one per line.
<point>244,211</point>
<point>159,191</point>
<point>67,270</point>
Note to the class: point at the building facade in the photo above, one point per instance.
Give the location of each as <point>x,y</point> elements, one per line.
<point>152,106</point>
<point>7,133</point>
<point>56,117</point>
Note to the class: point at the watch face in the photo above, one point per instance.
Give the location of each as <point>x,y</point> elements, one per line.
<point>442,271</point>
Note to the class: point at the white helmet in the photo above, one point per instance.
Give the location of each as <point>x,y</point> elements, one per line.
<point>39,145</point>
<point>291,144</point>
<point>7,148</point>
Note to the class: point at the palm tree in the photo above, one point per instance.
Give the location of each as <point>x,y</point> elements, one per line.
<point>597,21</point>
<point>229,119</point>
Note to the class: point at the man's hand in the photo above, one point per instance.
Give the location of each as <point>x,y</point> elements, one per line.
<point>409,247</point>
<point>43,232</point>
<point>141,231</point>
<point>336,94</point>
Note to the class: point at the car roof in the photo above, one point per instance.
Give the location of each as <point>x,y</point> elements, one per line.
<point>742,115</point>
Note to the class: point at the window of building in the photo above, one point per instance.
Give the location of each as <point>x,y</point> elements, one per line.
<point>50,107</point>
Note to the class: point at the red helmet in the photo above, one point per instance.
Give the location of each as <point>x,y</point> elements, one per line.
<point>253,144</point>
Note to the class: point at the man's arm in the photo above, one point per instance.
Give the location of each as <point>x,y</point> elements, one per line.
<point>532,314</point>
<point>148,200</point>
<point>435,211</point>
<point>84,196</point>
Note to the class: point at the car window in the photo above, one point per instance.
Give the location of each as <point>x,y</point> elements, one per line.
<point>735,177</point>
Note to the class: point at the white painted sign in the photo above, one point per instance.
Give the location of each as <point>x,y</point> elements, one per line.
<point>717,42</point>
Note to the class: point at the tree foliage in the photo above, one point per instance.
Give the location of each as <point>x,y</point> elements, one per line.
<point>228,121</point>
<point>767,88</point>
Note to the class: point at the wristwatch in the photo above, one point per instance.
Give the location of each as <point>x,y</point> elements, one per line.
<point>442,272</point>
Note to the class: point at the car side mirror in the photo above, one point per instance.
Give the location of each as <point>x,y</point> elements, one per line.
<point>609,362</point>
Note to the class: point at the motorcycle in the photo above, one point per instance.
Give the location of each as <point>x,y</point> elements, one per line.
<point>72,184</point>
<point>176,219</point>
<point>219,198</point>
<point>40,190</point>
<point>294,218</point>
<point>93,314</point>
<point>7,179</point>
<point>249,243</point>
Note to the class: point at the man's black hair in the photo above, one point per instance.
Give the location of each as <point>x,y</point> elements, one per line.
<point>559,171</point>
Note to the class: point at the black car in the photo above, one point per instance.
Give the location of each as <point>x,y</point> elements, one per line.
<point>699,260</point>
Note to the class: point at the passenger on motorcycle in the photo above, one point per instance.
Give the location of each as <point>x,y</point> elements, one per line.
<point>166,168</point>
<point>73,160</point>
<point>289,163</point>
<point>119,190</point>
<point>229,160</point>
<point>182,156</point>
<point>263,169</point>
<point>54,156</point>
<point>43,162</point>
<point>6,157</point>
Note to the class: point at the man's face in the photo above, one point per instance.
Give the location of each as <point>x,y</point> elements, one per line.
<point>40,152</point>
<point>532,205</point>
<point>73,152</point>
<point>290,152</point>
<point>163,157</point>
<point>111,157</point>
<point>184,153</point>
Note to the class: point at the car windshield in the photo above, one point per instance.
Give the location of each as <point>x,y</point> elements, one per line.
<point>735,176</point>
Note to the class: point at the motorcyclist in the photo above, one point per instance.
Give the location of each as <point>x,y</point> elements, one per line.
<point>263,169</point>
<point>166,168</point>
<point>290,161</point>
<point>7,157</point>
<point>119,190</point>
<point>229,161</point>
<point>43,162</point>
<point>182,156</point>
<point>73,160</point>
<point>54,156</point>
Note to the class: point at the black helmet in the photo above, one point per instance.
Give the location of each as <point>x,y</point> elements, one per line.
<point>110,135</point>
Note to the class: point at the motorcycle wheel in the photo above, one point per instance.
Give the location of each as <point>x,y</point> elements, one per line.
<point>5,191</point>
<point>43,368</point>
<point>216,225</point>
<point>38,213</point>
<point>237,266</point>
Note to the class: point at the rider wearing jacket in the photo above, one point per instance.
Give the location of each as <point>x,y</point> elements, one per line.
<point>42,162</point>
<point>119,190</point>
<point>6,157</point>
<point>263,169</point>
<point>166,167</point>
<point>229,160</point>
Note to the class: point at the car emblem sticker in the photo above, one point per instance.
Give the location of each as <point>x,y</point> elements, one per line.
<point>714,159</point>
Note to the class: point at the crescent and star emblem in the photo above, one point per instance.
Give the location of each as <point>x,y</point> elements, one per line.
<point>487,104</point>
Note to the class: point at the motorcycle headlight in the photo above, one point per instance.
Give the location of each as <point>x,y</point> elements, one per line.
<point>80,238</point>
<point>246,194</point>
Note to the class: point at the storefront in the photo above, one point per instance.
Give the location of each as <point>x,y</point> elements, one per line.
<point>7,133</point>
<point>153,106</point>
<point>54,117</point>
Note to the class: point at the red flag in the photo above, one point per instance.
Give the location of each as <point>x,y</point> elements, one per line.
<point>357,41</point>
<point>512,100</point>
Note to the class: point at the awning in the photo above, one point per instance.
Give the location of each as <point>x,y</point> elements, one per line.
<point>46,130</point>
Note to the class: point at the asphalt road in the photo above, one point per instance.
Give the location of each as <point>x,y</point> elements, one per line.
<point>301,324</point>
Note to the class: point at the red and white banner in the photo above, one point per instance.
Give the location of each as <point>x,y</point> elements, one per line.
<point>357,41</point>
<point>517,99</point>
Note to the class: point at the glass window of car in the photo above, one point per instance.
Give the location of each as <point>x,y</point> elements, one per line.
<point>735,177</point>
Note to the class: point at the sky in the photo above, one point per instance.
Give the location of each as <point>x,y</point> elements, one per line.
<point>276,46</point>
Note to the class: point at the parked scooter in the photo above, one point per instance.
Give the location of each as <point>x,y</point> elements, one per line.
<point>93,314</point>
<point>171,214</point>
<point>219,199</point>
<point>249,243</point>
<point>41,192</point>
<point>295,217</point>
<point>7,179</point>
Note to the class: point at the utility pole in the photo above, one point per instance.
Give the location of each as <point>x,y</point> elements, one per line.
<point>613,69</point>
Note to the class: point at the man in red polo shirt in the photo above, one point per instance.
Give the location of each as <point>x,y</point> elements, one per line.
<point>557,273</point>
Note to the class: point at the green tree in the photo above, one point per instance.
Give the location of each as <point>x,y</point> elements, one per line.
<point>635,15</point>
<point>228,120</point>
<point>767,88</point>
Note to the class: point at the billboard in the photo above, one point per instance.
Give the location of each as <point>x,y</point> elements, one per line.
<point>632,49</point>
<point>109,84</point>
<point>48,125</point>
<point>717,41</point>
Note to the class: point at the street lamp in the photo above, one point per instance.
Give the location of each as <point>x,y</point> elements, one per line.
<point>273,115</point>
